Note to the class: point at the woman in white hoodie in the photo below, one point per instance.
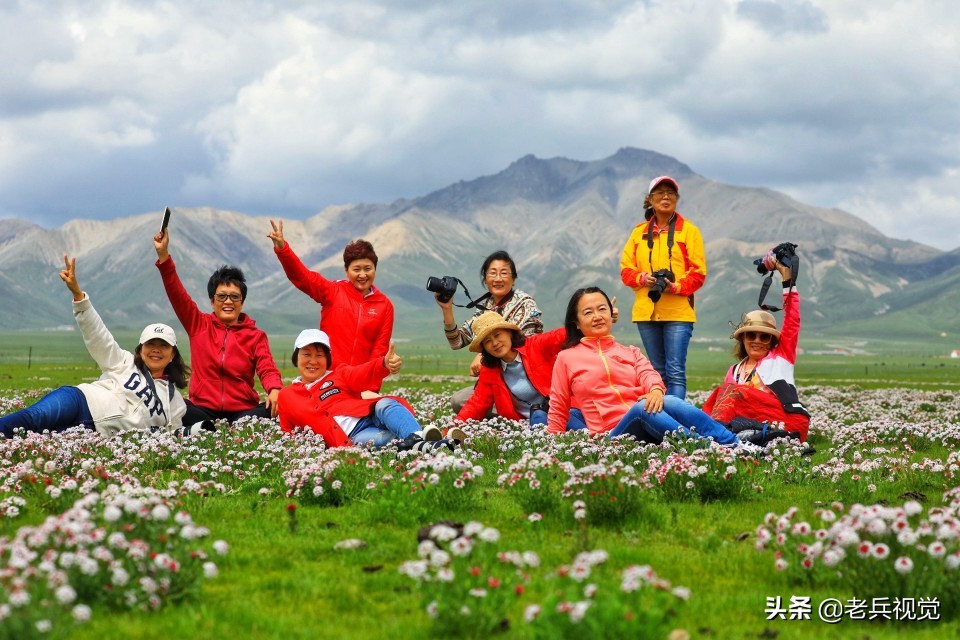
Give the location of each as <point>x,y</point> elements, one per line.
<point>135,391</point>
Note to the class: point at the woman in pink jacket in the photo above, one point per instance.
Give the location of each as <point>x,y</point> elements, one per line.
<point>617,388</point>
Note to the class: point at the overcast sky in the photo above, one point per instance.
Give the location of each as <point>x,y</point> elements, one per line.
<point>109,109</point>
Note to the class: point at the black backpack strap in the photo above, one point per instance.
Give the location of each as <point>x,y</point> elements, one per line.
<point>148,378</point>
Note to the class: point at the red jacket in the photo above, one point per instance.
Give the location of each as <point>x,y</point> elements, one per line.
<point>337,393</point>
<point>223,358</point>
<point>359,327</point>
<point>538,354</point>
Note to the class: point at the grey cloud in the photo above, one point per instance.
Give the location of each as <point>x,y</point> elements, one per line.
<point>286,107</point>
<point>780,17</point>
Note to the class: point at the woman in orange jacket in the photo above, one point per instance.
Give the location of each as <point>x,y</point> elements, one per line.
<point>664,263</point>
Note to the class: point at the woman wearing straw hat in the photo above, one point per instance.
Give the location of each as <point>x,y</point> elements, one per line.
<point>135,390</point>
<point>759,390</point>
<point>515,372</point>
<point>664,263</point>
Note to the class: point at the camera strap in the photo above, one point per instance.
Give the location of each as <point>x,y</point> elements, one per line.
<point>670,228</point>
<point>478,303</point>
<point>765,287</point>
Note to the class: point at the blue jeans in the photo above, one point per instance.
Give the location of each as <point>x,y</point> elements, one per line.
<point>666,346</point>
<point>389,421</point>
<point>60,409</point>
<point>676,415</point>
<point>575,422</point>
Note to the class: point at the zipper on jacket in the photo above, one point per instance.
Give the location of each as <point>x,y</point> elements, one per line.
<point>606,368</point>
<point>223,366</point>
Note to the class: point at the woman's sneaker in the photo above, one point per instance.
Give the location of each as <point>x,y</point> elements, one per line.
<point>456,434</point>
<point>431,433</point>
<point>740,423</point>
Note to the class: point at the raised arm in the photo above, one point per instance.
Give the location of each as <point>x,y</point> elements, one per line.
<point>101,345</point>
<point>187,311</point>
<point>790,332</point>
<point>310,282</point>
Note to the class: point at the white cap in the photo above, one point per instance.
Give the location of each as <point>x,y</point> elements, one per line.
<point>660,179</point>
<point>158,330</point>
<point>311,336</point>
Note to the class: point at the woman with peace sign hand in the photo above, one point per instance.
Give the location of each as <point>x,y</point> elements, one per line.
<point>135,390</point>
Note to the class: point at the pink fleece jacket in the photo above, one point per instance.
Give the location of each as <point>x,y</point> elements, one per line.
<point>607,379</point>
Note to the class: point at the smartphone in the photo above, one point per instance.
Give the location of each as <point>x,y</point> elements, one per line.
<point>166,219</point>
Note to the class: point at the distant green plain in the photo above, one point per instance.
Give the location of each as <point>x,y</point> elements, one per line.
<point>30,360</point>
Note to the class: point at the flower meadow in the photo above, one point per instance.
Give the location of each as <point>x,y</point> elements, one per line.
<point>514,534</point>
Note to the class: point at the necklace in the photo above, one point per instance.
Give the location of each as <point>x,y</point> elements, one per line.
<point>743,377</point>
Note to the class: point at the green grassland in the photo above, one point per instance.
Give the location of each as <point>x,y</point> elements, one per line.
<point>37,359</point>
<point>279,584</point>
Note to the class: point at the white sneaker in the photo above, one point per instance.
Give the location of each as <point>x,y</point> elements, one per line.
<point>457,434</point>
<point>749,448</point>
<point>432,433</point>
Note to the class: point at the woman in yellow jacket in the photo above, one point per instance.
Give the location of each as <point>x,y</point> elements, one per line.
<point>664,263</point>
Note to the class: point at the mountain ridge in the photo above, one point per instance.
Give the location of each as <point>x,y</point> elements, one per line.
<point>564,221</point>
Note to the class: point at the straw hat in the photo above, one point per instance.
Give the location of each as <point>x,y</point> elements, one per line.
<point>759,321</point>
<point>485,324</point>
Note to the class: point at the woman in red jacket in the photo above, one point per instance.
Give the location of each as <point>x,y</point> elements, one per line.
<point>328,401</point>
<point>357,315</point>
<point>226,346</point>
<point>515,372</point>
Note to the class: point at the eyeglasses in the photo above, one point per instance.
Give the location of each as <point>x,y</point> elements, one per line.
<point>663,192</point>
<point>232,297</point>
<point>503,274</point>
<point>757,336</point>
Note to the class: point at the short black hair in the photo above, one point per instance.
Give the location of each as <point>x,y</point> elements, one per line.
<point>227,274</point>
<point>497,255</point>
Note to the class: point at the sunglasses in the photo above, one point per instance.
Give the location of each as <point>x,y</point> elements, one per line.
<point>757,336</point>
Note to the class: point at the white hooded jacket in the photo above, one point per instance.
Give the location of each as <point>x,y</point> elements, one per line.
<point>122,400</point>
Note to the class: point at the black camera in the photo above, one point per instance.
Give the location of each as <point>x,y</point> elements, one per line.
<point>445,287</point>
<point>664,277</point>
<point>785,252</point>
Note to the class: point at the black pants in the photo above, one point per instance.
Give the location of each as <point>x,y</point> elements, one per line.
<point>196,413</point>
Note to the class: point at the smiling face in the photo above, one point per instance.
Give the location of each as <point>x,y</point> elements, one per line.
<point>756,344</point>
<point>311,363</point>
<point>361,273</point>
<point>594,316</point>
<point>156,354</point>
<point>499,344</point>
<point>227,303</point>
<point>499,279</point>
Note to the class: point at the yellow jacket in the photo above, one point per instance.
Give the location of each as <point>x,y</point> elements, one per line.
<point>686,259</point>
